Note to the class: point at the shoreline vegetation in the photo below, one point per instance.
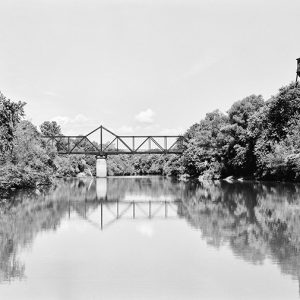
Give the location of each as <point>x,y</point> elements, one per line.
<point>254,140</point>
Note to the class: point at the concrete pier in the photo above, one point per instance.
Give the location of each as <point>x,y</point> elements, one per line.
<point>101,166</point>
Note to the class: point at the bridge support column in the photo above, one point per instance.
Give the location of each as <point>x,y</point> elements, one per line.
<point>101,166</point>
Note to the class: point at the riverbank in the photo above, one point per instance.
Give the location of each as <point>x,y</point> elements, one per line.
<point>256,139</point>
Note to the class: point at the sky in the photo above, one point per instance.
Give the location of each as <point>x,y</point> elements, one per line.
<point>143,66</point>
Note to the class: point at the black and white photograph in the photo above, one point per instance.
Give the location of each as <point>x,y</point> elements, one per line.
<point>149,149</point>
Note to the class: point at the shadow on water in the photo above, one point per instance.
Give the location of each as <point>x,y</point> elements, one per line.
<point>256,220</point>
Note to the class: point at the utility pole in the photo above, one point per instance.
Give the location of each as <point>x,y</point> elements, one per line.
<point>298,71</point>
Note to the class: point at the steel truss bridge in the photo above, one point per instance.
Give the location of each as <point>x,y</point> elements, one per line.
<point>103,142</point>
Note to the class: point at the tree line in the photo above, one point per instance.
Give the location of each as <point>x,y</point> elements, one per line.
<point>255,139</point>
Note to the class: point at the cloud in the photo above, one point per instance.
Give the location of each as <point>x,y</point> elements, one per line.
<point>64,120</point>
<point>61,120</point>
<point>145,116</point>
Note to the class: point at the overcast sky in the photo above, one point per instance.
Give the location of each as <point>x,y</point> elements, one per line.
<point>144,67</point>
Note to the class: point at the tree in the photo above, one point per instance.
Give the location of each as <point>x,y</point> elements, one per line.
<point>242,110</point>
<point>240,158</point>
<point>30,163</point>
<point>28,149</point>
<point>283,112</point>
<point>276,129</point>
<point>50,128</point>
<point>206,144</point>
<point>10,115</point>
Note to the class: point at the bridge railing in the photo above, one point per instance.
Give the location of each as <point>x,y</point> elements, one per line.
<point>102,141</point>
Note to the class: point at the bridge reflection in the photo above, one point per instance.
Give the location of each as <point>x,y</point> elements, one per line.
<point>113,211</point>
<point>110,210</point>
<point>109,207</point>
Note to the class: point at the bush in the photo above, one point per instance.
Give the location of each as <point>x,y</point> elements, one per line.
<point>16,176</point>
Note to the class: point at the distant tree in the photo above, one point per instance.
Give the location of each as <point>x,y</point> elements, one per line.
<point>50,128</point>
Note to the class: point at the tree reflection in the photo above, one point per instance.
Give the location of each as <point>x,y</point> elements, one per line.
<point>256,220</point>
<point>21,219</point>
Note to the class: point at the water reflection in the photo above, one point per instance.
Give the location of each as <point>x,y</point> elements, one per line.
<point>256,220</point>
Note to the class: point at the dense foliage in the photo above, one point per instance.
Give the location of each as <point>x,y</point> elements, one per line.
<point>144,164</point>
<point>256,139</point>
<point>28,163</point>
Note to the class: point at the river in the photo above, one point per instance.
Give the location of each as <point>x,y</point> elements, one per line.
<point>151,238</point>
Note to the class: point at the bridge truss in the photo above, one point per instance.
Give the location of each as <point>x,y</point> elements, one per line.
<point>103,142</point>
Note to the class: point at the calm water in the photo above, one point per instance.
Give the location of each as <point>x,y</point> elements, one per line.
<point>151,238</point>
